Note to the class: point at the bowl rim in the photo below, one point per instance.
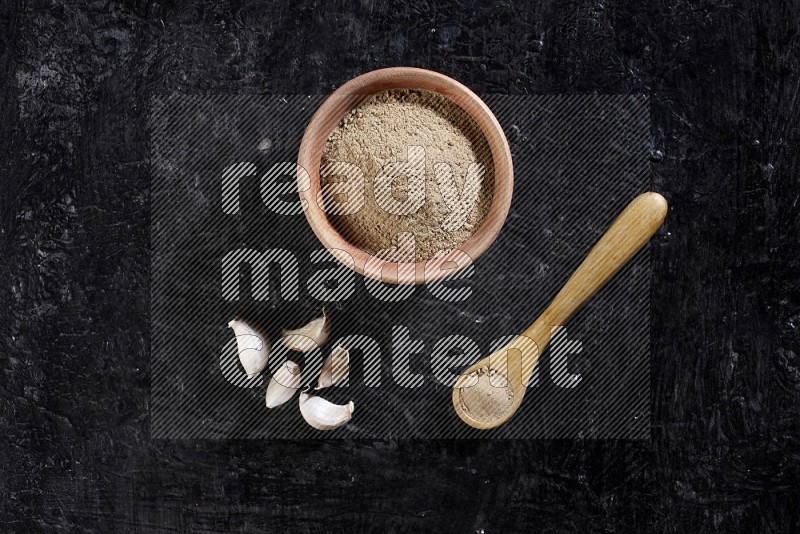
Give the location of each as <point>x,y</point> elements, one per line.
<point>328,116</point>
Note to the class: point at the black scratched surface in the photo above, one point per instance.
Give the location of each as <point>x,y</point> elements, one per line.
<point>75,453</point>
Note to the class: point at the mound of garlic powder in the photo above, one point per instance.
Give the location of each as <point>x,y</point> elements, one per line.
<point>488,396</point>
<point>380,131</point>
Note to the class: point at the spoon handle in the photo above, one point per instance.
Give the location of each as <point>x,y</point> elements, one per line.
<point>627,234</point>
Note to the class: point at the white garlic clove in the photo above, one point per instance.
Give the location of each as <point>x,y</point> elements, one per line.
<point>308,337</point>
<point>324,415</point>
<point>335,368</point>
<point>283,384</point>
<point>252,346</point>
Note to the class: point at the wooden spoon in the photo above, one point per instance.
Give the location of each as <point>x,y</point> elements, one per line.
<point>512,366</point>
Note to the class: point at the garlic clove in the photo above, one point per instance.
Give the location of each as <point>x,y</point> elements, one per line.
<point>324,415</point>
<point>335,368</point>
<point>308,337</point>
<point>252,346</point>
<point>283,384</point>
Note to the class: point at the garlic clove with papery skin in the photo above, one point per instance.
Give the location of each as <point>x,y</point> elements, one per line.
<point>335,368</point>
<point>324,415</point>
<point>308,337</point>
<point>252,346</point>
<point>283,384</point>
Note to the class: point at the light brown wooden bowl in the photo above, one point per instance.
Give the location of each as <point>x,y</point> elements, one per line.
<point>328,116</point>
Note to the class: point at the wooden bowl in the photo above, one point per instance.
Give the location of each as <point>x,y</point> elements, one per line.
<point>327,118</point>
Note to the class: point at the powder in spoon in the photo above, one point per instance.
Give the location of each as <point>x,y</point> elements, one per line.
<point>486,395</point>
<point>380,131</point>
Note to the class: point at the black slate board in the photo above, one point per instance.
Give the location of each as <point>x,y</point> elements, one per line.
<point>74,209</point>
<point>578,161</point>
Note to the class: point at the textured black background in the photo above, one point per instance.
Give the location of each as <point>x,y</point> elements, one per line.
<point>74,383</point>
